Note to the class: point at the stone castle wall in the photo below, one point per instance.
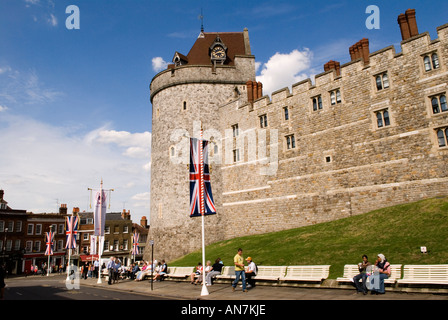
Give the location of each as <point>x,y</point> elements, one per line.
<point>368,167</point>
<point>342,163</point>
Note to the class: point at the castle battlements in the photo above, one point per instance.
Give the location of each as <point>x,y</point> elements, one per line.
<point>413,46</point>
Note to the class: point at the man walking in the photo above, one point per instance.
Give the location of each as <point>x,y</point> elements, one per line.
<point>239,270</point>
<point>110,269</point>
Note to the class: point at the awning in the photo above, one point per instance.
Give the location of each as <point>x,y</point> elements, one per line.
<point>90,257</point>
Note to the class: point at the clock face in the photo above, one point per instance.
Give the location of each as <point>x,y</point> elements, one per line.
<point>218,53</point>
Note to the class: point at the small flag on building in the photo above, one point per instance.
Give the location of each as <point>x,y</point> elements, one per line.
<point>49,240</point>
<point>135,239</point>
<point>71,231</point>
<point>201,198</point>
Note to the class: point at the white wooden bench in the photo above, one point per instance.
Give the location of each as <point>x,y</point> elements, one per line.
<point>270,272</point>
<point>180,272</point>
<point>351,270</point>
<point>227,273</point>
<point>425,274</point>
<point>306,273</point>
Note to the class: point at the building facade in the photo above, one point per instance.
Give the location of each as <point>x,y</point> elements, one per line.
<point>366,134</point>
<point>12,226</point>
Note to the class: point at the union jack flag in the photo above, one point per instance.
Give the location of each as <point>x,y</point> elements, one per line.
<point>49,240</point>
<point>201,198</point>
<point>71,231</point>
<point>135,239</point>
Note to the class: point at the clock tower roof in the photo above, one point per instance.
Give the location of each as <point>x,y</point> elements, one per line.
<point>236,43</point>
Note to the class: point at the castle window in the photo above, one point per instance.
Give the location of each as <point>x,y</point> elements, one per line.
<point>383,119</point>
<point>382,81</point>
<point>438,104</point>
<point>172,152</point>
<point>236,155</point>
<point>263,121</point>
<point>427,62</point>
<point>184,107</point>
<point>431,62</point>
<point>435,61</point>
<point>442,137</point>
<point>286,113</point>
<point>235,130</point>
<point>335,97</point>
<point>290,142</point>
<point>317,103</point>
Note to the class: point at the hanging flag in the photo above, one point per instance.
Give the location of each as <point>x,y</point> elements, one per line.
<point>135,239</point>
<point>49,240</point>
<point>201,198</point>
<point>93,240</point>
<point>101,245</point>
<point>71,231</point>
<point>99,215</point>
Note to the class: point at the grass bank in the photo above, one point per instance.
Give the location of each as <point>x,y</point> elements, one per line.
<point>398,232</point>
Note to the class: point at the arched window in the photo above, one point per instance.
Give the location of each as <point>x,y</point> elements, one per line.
<point>379,83</point>
<point>435,105</point>
<point>386,118</point>
<point>379,118</point>
<point>435,61</point>
<point>441,137</point>
<point>319,100</point>
<point>338,96</point>
<point>443,103</point>
<point>385,81</point>
<point>427,61</point>
<point>333,98</point>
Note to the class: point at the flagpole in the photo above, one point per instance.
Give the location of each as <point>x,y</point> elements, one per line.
<point>204,291</point>
<point>99,261</point>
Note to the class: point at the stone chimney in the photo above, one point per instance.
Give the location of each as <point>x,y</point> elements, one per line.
<point>250,92</point>
<point>63,209</point>
<point>126,215</point>
<point>360,50</point>
<point>333,65</point>
<point>408,24</point>
<point>75,210</point>
<point>254,90</point>
<point>144,222</point>
<point>2,193</point>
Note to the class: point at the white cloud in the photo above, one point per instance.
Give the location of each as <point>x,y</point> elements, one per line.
<point>41,163</point>
<point>32,1</point>
<point>3,108</point>
<point>283,70</point>
<point>52,20</point>
<point>5,69</point>
<point>158,64</point>
<point>24,87</point>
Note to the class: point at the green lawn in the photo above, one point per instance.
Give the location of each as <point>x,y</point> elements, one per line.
<point>397,232</point>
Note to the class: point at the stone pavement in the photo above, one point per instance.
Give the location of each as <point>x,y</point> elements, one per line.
<point>186,291</point>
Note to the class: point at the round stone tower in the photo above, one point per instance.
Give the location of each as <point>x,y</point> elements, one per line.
<point>186,97</point>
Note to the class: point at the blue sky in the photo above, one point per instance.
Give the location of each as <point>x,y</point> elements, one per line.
<point>74,104</point>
